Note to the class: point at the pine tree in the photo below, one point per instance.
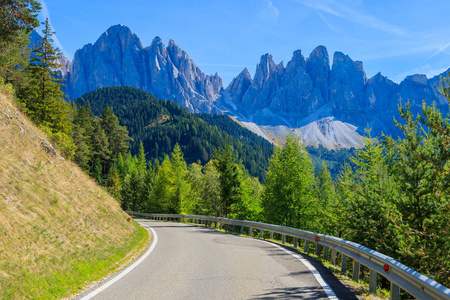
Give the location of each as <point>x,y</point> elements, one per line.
<point>288,197</point>
<point>225,161</point>
<point>43,97</point>
<point>17,19</point>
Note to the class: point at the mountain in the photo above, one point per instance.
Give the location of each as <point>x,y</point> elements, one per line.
<point>329,106</point>
<point>118,58</point>
<point>327,103</point>
<point>160,124</point>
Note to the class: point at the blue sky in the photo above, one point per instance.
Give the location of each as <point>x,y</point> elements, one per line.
<point>394,37</point>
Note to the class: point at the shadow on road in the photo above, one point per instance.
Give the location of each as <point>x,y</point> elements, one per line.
<point>309,292</point>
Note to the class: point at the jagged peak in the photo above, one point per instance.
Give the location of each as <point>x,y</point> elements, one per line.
<point>172,44</point>
<point>245,74</point>
<point>156,40</point>
<point>319,51</point>
<point>118,29</point>
<point>417,78</point>
<point>341,57</point>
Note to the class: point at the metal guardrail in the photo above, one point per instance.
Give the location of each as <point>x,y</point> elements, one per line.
<point>400,276</point>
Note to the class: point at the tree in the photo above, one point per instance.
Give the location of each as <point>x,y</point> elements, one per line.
<point>422,168</point>
<point>367,195</point>
<point>225,161</point>
<point>17,19</point>
<point>288,197</point>
<point>117,135</point>
<point>42,97</point>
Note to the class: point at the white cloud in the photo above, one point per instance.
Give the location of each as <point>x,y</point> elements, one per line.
<point>437,52</point>
<point>45,14</point>
<point>270,11</point>
<point>344,12</point>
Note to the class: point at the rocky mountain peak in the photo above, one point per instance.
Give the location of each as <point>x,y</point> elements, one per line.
<point>418,79</point>
<point>320,52</point>
<point>118,34</point>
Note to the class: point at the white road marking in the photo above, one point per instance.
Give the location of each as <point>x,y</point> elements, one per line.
<point>126,271</point>
<point>327,289</point>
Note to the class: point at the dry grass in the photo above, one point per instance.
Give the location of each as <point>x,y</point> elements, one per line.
<point>58,228</point>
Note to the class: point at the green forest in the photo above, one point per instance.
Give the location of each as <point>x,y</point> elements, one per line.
<point>161,124</point>
<point>391,196</point>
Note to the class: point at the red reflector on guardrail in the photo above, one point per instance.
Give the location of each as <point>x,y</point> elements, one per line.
<point>386,268</point>
<point>316,238</point>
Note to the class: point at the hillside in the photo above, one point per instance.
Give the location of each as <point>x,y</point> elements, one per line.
<point>161,124</point>
<point>58,229</point>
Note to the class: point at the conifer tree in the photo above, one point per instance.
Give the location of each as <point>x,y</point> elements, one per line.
<point>43,97</point>
<point>17,19</point>
<point>225,161</point>
<point>288,197</point>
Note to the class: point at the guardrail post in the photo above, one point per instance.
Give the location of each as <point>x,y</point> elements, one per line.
<point>295,242</point>
<point>284,239</point>
<point>234,228</point>
<point>261,234</point>
<point>271,235</point>
<point>250,232</point>
<point>325,253</point>
<point>226,227</point>
<point>333,256</point>
<point>344,264</point>
<point>221,225</point>
<point>306,246</point>
<point>196,220</point>
<point>395,291</point>
<point>356,269</point>
<point>373,282</point>
<point>318,250</point>
<point>242,229</point>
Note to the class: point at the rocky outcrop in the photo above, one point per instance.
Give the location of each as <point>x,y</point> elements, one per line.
<point>118,59</point>
<point>306,93</point>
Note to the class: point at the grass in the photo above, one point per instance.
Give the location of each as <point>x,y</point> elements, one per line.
<point>59,230</point>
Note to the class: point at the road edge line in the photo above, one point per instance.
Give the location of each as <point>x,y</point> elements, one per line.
<point>126,270</point>
<point>327,289</point>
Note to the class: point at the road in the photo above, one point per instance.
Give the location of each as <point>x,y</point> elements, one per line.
<point>194,262</point>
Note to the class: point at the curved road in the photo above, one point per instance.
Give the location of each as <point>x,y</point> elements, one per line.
<point>194,262</point>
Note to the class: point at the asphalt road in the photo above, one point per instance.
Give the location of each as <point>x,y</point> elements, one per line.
<point>194,262</point>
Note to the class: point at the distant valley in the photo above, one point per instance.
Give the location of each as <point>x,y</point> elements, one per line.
<point>328,104</point>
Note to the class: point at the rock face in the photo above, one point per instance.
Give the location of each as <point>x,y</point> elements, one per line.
<point>306,95</point>
<point>309,96</point>
<point>118,59</point>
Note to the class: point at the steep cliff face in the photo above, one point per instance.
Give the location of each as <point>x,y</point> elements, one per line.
<point>306,92</point>
<point>118,59</point>
<point>309,95</point>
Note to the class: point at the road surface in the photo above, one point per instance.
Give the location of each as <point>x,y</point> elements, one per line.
<point>194,262</point>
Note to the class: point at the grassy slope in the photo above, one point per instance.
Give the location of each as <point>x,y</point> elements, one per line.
<point>58,229</point>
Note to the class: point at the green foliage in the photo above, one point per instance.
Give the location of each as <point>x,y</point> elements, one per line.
<point>161,124</point>
<point>288,193</point>
<point>42,96</point>
<point>367,201</point>
<point>335,159</point>
<point>17,19</point>
<point>225,161</point>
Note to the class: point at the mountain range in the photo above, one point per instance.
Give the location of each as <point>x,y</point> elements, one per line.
<point>327,103</point>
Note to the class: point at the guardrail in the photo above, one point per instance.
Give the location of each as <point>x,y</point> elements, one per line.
<point>399,275</point>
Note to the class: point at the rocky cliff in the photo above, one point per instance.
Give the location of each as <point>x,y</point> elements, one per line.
<point>118,58</point>
<point>304,95</point>
<point>328,105</point>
